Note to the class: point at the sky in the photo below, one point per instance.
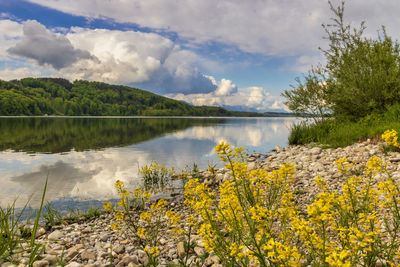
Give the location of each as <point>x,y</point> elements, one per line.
<point>232,53</point>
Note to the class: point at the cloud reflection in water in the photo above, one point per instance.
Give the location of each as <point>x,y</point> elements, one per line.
<point>91,174</point>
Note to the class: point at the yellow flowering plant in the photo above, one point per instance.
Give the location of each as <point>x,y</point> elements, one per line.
<point>144,225</point>
<point>391,137</point>
<point>156,177</point>
<point>239,224</point>
<point>252,219</point>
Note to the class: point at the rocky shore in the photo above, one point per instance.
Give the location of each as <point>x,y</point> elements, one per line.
<point>93,243</point>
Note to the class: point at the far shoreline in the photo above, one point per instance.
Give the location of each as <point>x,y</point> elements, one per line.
<point>144,117</point>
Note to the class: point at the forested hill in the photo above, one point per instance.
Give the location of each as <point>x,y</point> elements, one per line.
<point>56,96</point>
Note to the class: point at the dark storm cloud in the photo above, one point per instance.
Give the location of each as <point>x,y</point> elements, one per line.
<point>46,47</point>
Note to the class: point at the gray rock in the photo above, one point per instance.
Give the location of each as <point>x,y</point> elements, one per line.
<point>104,237</point>
<point>72,252</point>
<point>88,255</point>
<point>87,229</point>
<point>57,234</point>
<point>119,249</point>
<point>74,264</point>
<point>315,150</point>
<point>199,251</point>
<point>133,260</point>
<point>143,258</point>
<point>41,263</point>
<point>52,259</point>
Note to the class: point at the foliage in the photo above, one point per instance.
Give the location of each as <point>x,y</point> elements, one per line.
<point>92,212</point>
<point>308,97</point>
<point>367,78</point>
<point>57,96</point>
<point>9,238</point>
<point>52,216</point>
<point>12,234</point>
<point>36,249</point>
<point>338,133</point>
<point>361,75</point>
<point>61,261</point>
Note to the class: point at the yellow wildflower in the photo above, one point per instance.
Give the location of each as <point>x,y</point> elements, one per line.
<point>115,226</point>
<point>391,137</point>
<point>141,232</point>
<point>107,206</point>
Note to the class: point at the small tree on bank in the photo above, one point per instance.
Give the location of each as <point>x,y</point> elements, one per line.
<point>308,97</point>
<point>361,74</point>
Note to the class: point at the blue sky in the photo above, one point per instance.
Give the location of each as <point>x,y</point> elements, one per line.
<point>237,54</point>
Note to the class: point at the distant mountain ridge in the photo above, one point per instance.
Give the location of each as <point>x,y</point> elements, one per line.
<point>57,96</point>
<point>247,109</point>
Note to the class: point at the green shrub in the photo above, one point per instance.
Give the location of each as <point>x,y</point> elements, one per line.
<point>366,79</point>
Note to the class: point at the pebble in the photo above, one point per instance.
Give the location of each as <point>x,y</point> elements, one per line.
<point>199,251</point>
<point>51,259</point>
<point>57,234</point>
<point>181,249</point>
<point>41,231</point>
<point>87,255</point>
<point>41,263</point>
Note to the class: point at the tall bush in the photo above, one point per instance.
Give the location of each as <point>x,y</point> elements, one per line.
<point>361,74</point>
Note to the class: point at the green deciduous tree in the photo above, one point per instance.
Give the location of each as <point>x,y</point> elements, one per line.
<point>308,97</point>
<point>361,74</point>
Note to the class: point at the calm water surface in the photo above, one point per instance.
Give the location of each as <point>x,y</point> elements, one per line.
<point>83,157</point>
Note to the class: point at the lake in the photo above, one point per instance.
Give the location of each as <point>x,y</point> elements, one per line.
<point>82,157</point>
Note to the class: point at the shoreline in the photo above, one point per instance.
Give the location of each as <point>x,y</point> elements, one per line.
<point>93,243</point>
<point>145,117</point>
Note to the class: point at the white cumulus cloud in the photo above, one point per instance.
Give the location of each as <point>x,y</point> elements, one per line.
<point>260,26</point>
<point>269,27</point>
<point>10,32</point>
<point>146,60</point>
<point>227,94</point>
